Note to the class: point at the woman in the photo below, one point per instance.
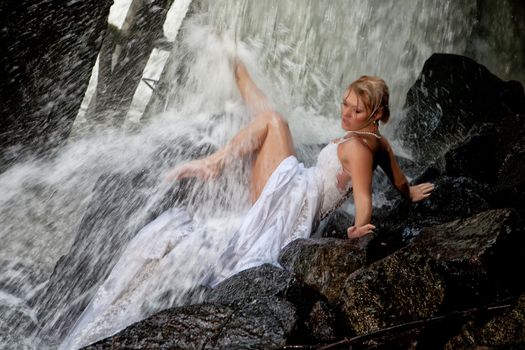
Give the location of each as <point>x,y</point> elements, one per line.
<point>289,199</point>
<point>364,105</point>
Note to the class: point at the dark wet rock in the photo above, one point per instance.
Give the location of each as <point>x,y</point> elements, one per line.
<point>481,155</point>
<point>506,331</point>
<point>321,323</point>
<point>477,256</point>
<point>383,189</point>
<point>452,198</point>
<point>264,323</point>
<point>48,51</point>
<point>324,263</point>
<point>510,189</point>
<point>453,95</point>
<point>271,281</point>
<point>261,281</point>
<point>187,327</point>
<point>399,288</point>
<point>335,225</point>
<point>392,232</point>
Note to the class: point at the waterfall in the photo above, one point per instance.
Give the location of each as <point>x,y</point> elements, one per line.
<point>66,221</point>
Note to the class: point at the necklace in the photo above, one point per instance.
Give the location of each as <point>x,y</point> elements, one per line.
<point>365,133</point>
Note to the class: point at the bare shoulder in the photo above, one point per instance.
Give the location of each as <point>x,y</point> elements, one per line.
<point>355,150</point>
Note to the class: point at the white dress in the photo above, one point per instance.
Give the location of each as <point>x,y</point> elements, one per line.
<point>293,200</point>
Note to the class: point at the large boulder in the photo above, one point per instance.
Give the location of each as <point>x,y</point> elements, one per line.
<point>506,331</point>
<point>402,287</point>
<point>476,257</point>
<point>316,320</point>
<point>452,97</point>
<point>263,323</point>
<point>478,157</point>
<point>323,264</point>
<point>261,281</point>
<point>453,198</point>
<point>321,323</point>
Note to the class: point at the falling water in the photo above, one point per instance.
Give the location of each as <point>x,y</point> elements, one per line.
<point>86,204</point>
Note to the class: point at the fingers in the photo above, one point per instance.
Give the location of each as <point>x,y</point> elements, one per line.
<point>356,232</point>
<point>181,172</point>
<point>425,187</point>
<point>421,191</point>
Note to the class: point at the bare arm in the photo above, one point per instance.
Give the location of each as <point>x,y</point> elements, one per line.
<point>358,160</point>
<point>388,162</point>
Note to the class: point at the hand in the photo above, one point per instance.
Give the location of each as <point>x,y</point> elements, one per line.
<point>421,191</point>
<point>356,232</point>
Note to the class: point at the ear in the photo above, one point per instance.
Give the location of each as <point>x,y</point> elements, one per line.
<point>378,115</point>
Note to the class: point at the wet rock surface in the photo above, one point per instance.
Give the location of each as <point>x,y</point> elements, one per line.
<point>48,51</point>
<point>452,96</point>
<point>262,281</point>
<point>263,323</point>
<point>506,331</point>
<point>323,263</point>
<point>510,187</point>
<point>321,323</point>
<point>399,288</point>
<point>477,256</point>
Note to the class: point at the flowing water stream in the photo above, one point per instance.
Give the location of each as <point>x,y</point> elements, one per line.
<point>95,195</point>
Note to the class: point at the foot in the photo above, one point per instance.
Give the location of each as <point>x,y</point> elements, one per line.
<point>239,68</point>
<point>204,169</point>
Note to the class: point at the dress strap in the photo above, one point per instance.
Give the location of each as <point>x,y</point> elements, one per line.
<point>345,139</point>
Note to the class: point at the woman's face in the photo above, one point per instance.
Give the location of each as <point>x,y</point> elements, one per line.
<point>353,112</point>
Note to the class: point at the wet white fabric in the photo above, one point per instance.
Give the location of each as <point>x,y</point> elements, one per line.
<point>329,166</point>
<point>174,244</point>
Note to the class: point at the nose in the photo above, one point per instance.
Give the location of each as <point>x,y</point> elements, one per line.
<point>347,112</point>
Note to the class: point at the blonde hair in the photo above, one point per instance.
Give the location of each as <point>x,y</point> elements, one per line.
<point>374,93</point>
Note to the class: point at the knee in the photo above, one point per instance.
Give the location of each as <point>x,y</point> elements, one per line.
<point>274,120</point>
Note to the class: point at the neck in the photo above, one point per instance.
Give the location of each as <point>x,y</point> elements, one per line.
<point>373,128</point>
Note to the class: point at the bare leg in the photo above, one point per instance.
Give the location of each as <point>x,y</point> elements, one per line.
<point>267,135</point>
<point>255,99</point>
